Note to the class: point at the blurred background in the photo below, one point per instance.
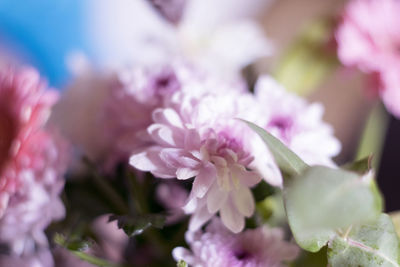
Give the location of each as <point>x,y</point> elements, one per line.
<point>52,34</point>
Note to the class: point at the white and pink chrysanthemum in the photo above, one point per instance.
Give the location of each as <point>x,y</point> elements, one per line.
<point>107,117</point>
<point>369,39</point>
<point>199,136</point>
<point>217,247</point>
<point>32,160</point>
<point>296,123</point>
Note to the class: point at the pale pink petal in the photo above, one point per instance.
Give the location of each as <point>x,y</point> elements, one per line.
<point>204,180</point>
<point>200,216</point>
<point>149,160</point>
<point>186,173</point>
<point>216,198</point>
<point>243,200</point>
<point>167,116</point>
<point>231,217</point>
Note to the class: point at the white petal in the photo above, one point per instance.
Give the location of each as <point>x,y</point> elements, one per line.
<point>186,173</point>
<point>204,180</point>
<point>167,116</point>
<point>243,200</point>
<point>199,218</point>
<point>149,160</point>
<point>231,217</point>
<point>216,198</point>
<point>162,134</point>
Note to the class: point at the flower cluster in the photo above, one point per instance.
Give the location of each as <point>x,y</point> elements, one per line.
<point>166,147</point>
<point>33,160</point>
<point>369,39</point>
<point>195,132</point>
<point>218,247</point>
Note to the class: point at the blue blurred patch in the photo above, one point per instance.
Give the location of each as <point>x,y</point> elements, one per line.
<point>44,32</point>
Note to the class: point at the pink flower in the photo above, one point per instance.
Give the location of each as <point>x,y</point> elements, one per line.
<point>24,107</point>
<point>369,39</point>
<point>107,117</point>
<point>173,197</point>
<point>296,123</point>
<point>32,163</point>
<point>42,258</point>
<point>199,136</point>
<point>217,247</point>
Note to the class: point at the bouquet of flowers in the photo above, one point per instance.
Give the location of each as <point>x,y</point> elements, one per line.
<point>186,154</point>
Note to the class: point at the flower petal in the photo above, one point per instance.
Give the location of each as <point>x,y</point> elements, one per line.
<point>243,200</point>
<point>167,116</point>
<point>150,160</point>
<point>231,217</point>
<point>199,218</point>
<point>204,180</point>
<point>216,197</point>
<point>186,173</point>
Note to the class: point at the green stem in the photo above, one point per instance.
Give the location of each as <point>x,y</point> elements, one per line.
<point>106,188</point>
<point>94,260</point>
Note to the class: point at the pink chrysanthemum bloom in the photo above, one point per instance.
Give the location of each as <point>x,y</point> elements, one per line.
<point>369,39</point>
<point>109,117</point>
<point>217,247</point>
<point>32,161</point>
<point>129,107</point>
<point>296,123</point>
<point>199,136</point>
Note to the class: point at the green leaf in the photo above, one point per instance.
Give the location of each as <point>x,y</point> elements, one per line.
<point>286,159</point>
<point>136,224</point>
<point>77,247</point>
<point>182,263</point>
<point>322,200</point>
<point>73,244</point>
<point>361,166</point>
<point>369,245</point>
<point>395,216</point>
<point>309,259</point>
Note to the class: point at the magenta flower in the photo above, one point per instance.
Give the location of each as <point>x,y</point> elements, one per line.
<point>217,247</point>
<point>199,136</point>
<point>369,39</point>
<point>32,161</point>
<point>296,123</point>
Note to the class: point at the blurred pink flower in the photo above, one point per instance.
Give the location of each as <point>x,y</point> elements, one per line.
<point>24,108</point>
<point>369,39</point>
<point>32,163</point>
<point>296,123</point>
<point>42,258</point>
<point>173,197</point>
<point>199,136</point>
<point>217,247</point>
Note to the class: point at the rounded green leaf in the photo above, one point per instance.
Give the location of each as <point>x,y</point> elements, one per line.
<point>372,244</point>
<point>322,200</point>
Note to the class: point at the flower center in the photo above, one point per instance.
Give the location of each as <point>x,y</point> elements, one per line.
<point>242,255</point>
<point>166,82</point>
<point>283,125</point>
